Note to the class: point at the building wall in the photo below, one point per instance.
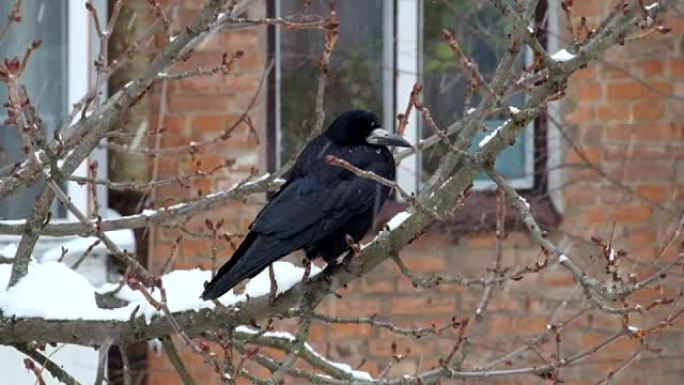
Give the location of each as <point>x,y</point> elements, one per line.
<point>618,112</point>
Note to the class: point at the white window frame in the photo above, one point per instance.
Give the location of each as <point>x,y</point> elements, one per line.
<point>554,136</point>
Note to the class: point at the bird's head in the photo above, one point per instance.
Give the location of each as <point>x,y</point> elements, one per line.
<point>357,127</point>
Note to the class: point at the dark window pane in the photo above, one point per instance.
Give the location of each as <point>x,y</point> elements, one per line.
<point>356,67</point>
<point>45,79</point>
<point>482,33</point>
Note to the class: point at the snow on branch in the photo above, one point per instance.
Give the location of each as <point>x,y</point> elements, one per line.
<point>53,291</point>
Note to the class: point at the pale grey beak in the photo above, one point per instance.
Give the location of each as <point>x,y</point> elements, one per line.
<point>382,137</point>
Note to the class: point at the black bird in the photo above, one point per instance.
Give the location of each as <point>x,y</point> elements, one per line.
<point>319,204</point>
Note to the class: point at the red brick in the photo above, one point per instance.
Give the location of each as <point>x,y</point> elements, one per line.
<point>677,25</point>
<point>198,59</point>
<point>581,113</point>
<point>651,68</point>
<point>647,132</point>
<point>582,196</point>
<point>677,68</point>
<point>341,331</point>
<point>648,111</point>
<point>357,307</point>
<point>643,172</point>
<point>587,8</point>
<point>587,91</point>
<point>654,193</point>
<point>640,150</point>
<point>642,236</point>
<point>559,279</point>
<point>422,305</point>
<point>597,215</point>
<point>245,40</point>
<point>482,240</point>
<point>425,262</point>
<point>204,85</point>
<point>218,84</point>
<point>635,90</point>
<point>196,103</point>
<point>216,123</point>
<point>612,111</point>
<point>378,285</point>
<point>174,125</point>
<point>500,323</point>
<point>405,285</point>
<point>589,154</point>
<point>318,331</point>
<point>634,213</point>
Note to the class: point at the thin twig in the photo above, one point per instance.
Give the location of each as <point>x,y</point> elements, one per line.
<point>177,361</point>
<point>55,370</point>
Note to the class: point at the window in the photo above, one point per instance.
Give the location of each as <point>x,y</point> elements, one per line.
<point>482,33</point>
<point>384,48</point>
<point>57,76</point>
<point>356,79</point>
<point>45,83</point>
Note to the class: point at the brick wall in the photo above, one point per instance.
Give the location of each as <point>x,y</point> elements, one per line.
<point>617,112</point>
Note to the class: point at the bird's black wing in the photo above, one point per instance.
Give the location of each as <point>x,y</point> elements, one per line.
<point>322,201</point>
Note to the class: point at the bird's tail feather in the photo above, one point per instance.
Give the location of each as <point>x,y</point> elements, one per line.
<point>255,253</point>
<point>222,283</point>
<point>219,285</point>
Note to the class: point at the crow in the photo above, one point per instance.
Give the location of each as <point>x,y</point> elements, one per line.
<point>320,205</point>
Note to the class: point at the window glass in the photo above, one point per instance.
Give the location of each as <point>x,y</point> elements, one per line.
<point>355,70</point>
<point>45,80</point>
<point>356,73</point>
<point>482,33</point>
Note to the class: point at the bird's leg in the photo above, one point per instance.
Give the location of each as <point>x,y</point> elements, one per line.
<point>355,247</point>
<point>274,284</point>
<point>307,269</point>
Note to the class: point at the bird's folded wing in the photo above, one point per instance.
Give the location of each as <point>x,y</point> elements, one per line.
<point>308,207</point>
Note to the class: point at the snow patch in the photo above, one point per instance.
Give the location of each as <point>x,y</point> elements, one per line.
<point>490,136</point>
<point>8,251</point>
<point>245,329</point>
<point>562,56</point>
<point>357,374</point>
<point>397,220</point>
<point>53,291</point>
<point>184,287</point>
<point>123,238</point>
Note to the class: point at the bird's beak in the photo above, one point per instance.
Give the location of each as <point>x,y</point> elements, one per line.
<point>382,137</point>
